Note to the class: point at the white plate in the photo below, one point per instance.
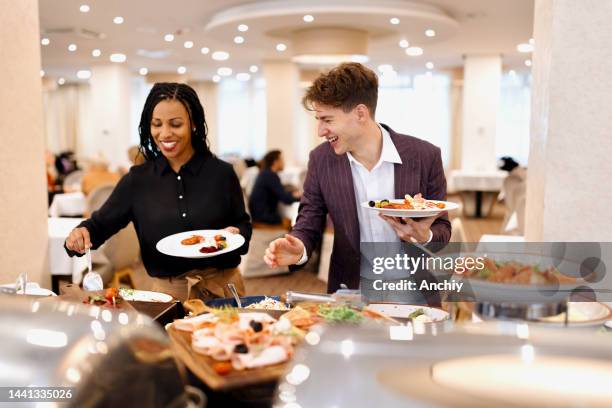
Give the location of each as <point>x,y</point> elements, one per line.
<point>144,296</point>
<point>430,212</point>
<point>403,311</point>
<point>581,314</point>
<point>171,245</point>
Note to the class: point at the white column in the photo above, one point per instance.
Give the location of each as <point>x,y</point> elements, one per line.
<point>208,92</point>
<point>23,202</point>
<point>570,166</point>
<point>110,114</point>
<point>481,93</point>
<point>282,99</point>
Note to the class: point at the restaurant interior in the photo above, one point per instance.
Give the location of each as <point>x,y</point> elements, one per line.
<point>515,94</point>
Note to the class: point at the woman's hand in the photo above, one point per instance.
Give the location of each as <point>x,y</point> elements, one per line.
<point>78,240</point>
<point>232,230</point>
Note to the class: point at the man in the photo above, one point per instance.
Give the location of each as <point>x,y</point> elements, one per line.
<point>268,191</point>
<point>362,161</point>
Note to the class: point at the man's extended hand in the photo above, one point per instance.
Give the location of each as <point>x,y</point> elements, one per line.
<point>409,230</point>
<point>284,251</point>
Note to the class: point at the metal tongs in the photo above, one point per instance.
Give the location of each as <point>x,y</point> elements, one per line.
<point>234,292</point>
<point>352,297</point>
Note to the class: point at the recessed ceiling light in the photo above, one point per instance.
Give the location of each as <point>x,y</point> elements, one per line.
<point>72,47</point>
<point>45,41</point>
<point>118,57</point>
<point>531,41</point>
<point>414,51</point>
<point>224,71</point>
<point>143,71</point>
<point>430,33</point>
<point>308,18</point>
<point>169,37</point>
<point>61,81</point>
<point>394,20</point>
<point>280,47</point>
<point>253,68</point>
<point>238,39</point>
<point>181,70</point>
<point>205,50</point>
<point>96,53</point>
<point>84,74</point>
<point>524,47</point>
<point>404,43</point>
<point>243,27</point>
<point>429,65</point>
<point>84,8</point>
<point>188,44</point>
<point>220,55</point>
<point>42,73</point>
<point>528,62</point>
<point>243,76</point>
<point>216,78</point>
<point>118,20</point>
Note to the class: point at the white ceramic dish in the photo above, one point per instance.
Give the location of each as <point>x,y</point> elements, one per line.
<point>144,296</point>
<point>171,245</point>
<point>403,311</point>
<point>430,212</point>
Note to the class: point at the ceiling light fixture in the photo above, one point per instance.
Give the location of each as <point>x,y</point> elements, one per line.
<point>181,70</point>
<point>61,81</point>
<point>188,44</point>
<point>96,53</point>
<point>84,8</point>
<point>524,47</point>
<point>72,47</point>
<point>169,37</point>
<point>118,58</point>
<point>414,51</point>
<point>430,33</point>
<point>84,74</point>
<point>528,62</point>
<point>220,55</point>
<point>308,18</point>
<point>404,43</point>
<point>394,20</point>
<point>253,68</point>
<point>143,71</point>
<point>42,73</point>
<point>531,41</point>
<point>205,50</point>
<point>118,20</point>
<point>429,65</point>
<point>280,47</point>
<point>243,27</point>
<point>224,71</point>
<point>216,78</point>
<point>243,76</point>
<point>238,39</point>
<point>45,41</point>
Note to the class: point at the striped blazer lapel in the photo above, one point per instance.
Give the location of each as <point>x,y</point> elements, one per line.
<point>345,196</point>
<point>407,175</point>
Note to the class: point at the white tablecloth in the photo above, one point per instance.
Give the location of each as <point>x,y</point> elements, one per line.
<point>464,180</point>
<point>68,204</point>
<point>59,261</point>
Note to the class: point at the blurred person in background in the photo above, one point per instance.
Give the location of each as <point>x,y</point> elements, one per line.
<point>268,190</point>
<point>181,187</point>
<point>96,175</point>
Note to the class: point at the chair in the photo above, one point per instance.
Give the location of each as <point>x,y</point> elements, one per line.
<point>247,181</point>
<point>72,182</point>
<point>458,232</point>
<point>97,198</point>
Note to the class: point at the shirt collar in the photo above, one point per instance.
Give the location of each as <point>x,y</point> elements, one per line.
<point>192,167</point>
<point>389,151</point>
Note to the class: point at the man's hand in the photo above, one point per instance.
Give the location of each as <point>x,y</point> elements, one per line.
<point>409,230</point>
<point>78,240</point>
<point>284,251</point>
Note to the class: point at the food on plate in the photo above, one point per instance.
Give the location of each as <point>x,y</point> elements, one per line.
<point>420,316</point>
<point>410,203</point>
<point>193,240</point>
<point>300,317</point>
<point>220,242</point>
<point>340,314</point>
<point>111,298</point>
<point>241,340</point>
<point>517,273</point>
<point>268,304</point>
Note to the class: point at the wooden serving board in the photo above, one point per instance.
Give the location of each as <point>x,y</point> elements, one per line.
<point>201,366</point>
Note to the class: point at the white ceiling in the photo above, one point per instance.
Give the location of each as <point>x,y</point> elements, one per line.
<point>470,27</point>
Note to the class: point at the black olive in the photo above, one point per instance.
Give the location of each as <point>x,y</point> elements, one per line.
<point>256,326</point>
<point>241,348</point>
<point>371,203</point>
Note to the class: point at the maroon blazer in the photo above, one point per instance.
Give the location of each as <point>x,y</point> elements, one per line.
<point>328,189</point>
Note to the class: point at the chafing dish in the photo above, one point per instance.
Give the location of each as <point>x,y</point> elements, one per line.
<point>501,364</point>
<point>111,357</point>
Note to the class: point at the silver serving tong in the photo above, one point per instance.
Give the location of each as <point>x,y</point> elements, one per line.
<point>234,292</point>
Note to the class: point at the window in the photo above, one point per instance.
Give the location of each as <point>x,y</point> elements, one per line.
<point>513,119</point>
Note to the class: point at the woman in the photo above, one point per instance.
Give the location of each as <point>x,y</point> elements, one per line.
<point>181,186</point>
